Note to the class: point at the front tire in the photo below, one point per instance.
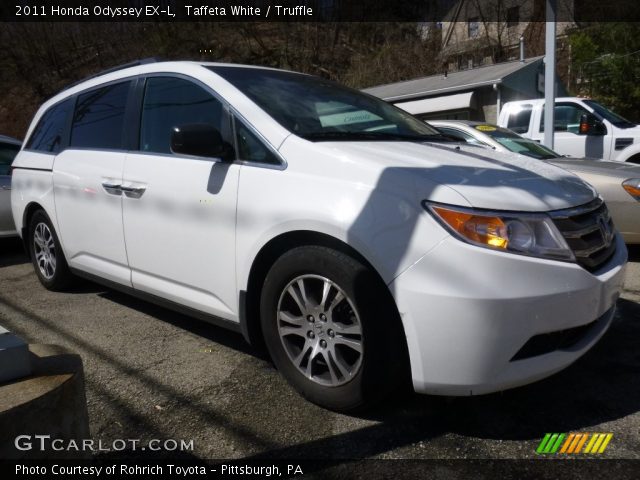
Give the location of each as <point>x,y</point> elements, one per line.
<point>332,328</point>
<point>46,253</point>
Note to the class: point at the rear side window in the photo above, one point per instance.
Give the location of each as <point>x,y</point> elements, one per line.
<point>170,102</point>
<point>8,151</point>
<point>98,119</point>
<point>519,119</point>
<point>47,136</point>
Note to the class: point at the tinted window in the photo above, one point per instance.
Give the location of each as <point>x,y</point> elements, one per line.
<point>47,136</point>
<point>251,148</point>
<point>566,117</point>
<point>98,119</point>
<point>519,119</point>
<point>8,151</point>
<point>170,102</point>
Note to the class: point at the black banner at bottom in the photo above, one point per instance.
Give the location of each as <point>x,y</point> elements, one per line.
<point>542,468</point>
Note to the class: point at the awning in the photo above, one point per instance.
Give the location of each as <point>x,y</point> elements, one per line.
<point>459,101</point>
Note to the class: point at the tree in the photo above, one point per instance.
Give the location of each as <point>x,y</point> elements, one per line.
<point>606,60</point>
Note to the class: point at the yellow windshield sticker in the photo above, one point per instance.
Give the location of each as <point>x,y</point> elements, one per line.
<point>485,128</point>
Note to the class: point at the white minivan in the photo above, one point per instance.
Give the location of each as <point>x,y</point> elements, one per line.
<point>361,246</point>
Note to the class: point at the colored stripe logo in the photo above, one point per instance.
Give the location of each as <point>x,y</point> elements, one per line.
<point>574,443</point>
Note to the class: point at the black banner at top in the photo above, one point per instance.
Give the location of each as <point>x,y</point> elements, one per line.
<point>426,11</point>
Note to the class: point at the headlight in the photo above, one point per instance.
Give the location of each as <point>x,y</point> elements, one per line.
<point>524,233</point>
<point>632,186</point>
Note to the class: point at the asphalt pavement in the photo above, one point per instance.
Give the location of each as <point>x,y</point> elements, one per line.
<point>154,374</point>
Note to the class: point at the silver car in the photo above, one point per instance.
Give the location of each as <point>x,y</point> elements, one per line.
<point>617,182</point>
<point>9,147</point>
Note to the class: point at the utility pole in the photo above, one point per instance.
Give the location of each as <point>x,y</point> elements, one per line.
<point>549,73</point>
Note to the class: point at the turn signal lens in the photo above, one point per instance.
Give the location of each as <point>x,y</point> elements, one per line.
<point>632,186</point>
<point>490,231</point>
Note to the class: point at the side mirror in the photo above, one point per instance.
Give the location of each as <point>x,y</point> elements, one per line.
<point>590,125</point>
<point>200,140</point>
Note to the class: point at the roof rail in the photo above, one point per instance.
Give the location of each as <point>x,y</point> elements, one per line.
<point>135,63</point>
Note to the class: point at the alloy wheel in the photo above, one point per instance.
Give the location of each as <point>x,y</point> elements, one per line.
<point>320,330</point>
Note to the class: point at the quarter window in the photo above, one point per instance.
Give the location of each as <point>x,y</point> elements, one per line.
<point>98,119</point>
<point>47,136</point>
<point>170,102</point>
<point>251,148</point>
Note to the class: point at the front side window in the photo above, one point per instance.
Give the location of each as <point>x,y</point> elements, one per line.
<point>98,119</point>
<point>321,110</point>
<point>170,102</point>
<point>519,119</point>
<point>8,152</point>
<point>566,117</point>
<point>47,136</point>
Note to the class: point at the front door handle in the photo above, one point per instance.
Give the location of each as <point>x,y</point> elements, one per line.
<point>133,192</point>
<point>112,188</point>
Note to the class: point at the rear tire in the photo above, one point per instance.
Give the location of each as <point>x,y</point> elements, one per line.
<point>332,328</point>
<point>46,253</point>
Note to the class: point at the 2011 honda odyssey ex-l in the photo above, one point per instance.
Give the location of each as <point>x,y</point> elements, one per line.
<point>351,238</point>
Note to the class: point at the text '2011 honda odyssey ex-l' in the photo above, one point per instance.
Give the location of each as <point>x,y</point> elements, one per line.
<point>360,245</point>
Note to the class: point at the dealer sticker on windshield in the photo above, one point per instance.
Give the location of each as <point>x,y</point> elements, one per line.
<point>485,128</point>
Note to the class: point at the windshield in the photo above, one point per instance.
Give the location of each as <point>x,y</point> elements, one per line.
<point>8,151</point>
<point>604,112</point>
<point>516,143</point>
<point>319,109</point>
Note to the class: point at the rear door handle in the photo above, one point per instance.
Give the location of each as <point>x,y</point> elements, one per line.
<point>112,188</point>
<point>133,192</point>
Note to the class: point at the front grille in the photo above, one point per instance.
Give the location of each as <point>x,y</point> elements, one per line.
<point>589,232</point>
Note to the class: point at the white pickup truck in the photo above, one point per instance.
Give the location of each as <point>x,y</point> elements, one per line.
<point>583,128</point>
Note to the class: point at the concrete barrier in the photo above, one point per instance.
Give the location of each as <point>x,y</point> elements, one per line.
<point>50,402</point>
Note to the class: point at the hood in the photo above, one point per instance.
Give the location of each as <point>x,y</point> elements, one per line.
<point>621,170</point>
<point>484,177</point>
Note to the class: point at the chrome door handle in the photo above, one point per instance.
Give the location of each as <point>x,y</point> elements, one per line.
<point>6,187</point>
<point>112,188</point>
<point>133,192</point>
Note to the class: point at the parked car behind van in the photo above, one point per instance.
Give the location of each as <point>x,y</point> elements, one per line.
<point>617,182</point>
<point>358,243</point>
<point>9,148</point>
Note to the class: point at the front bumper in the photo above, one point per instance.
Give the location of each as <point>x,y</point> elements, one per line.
<point>468,311</point>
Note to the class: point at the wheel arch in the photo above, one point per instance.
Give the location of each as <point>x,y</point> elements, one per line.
<point>267,255</point>
<point>31,208</point>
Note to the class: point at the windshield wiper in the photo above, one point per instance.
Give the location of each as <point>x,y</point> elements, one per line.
<point>346,136</point>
